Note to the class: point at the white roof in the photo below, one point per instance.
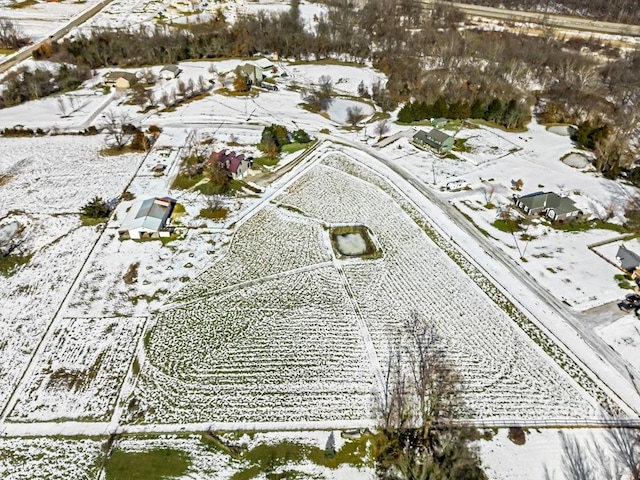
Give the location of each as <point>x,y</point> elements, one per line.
<point>150,214</point>
<point>263,63</point>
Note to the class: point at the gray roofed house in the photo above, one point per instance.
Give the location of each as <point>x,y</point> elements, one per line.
<point>148,219</point>
<point>629,261</point>
<point>550,204</point>
<point>169,72</point>
<point>436,139</point>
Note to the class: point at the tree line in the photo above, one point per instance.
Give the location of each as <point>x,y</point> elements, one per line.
<point>511,115</point>
<point>424,55</point>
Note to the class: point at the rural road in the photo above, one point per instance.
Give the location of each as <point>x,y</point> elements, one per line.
<point>548,19</point>
<point>26,52</point>
<point>583,329</point>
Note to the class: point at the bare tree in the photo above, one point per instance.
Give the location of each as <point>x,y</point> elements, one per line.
<point>10,35</point>
<point>381,128</point>
<point>418,404</point>
<point>488,189</point>
<point>355,115</point>
<point>625,446</point>
<point>118,128</point>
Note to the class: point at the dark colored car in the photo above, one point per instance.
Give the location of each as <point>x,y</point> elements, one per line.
<point>632,298</point>
<point>628,306</point>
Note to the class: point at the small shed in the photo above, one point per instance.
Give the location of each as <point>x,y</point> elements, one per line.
<point>120,80</point>
<point>148,219</point>
<point>169,72</point>
<point>435,139</point>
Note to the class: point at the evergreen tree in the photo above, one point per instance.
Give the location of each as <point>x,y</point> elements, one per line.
<point>493,113</point>
<point>477,109</point>
<point>96,208</point>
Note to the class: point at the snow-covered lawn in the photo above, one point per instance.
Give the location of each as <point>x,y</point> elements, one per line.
<point>624,337</point>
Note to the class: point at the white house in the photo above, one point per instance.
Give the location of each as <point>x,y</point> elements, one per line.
<point>148,219</point>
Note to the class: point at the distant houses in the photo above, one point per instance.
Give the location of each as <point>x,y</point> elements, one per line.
<point>148,219</point>
<point>435,139</point>
<point>120,80</point>
<point>236,165</point>
<point>549,204</point>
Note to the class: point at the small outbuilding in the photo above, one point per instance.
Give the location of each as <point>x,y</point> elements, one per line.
<point>169,72</point>
<point>629,261</point>
<point>549,204</point>
<point>435,139</point>
<point>120,80</point>
<point>148,219</point>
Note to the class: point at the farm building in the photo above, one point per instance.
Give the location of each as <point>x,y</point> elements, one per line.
<point>439,141</point>
<point>120,80</point>
<point>549,204</point>
<point>169,72</point>
<point>148,219</point>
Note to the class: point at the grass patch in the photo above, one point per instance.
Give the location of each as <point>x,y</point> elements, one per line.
<point>214,213</point>
<point>294,147</point>
<point>460,145</point>
<point>185,182</point>
<point>283,457</point>
<point>507,226</point>
<point>92,221</point>
<point>115,151</point>
<point>10,264</point>
<point>266,162</point>
<point>624,281</point>
<point>24,4</point>
<point>233,93</point>
<point>583,226</point>
<point>153,465</point>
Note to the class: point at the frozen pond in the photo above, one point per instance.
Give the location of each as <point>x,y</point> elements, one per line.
<point>576,160</point>
<point>351,244</point>
<point>337,110</point>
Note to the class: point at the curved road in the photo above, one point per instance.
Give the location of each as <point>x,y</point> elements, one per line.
<point>596,344</point>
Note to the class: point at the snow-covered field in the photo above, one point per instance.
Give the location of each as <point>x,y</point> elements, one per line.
<point>277,316</point>
<point>79,374</point>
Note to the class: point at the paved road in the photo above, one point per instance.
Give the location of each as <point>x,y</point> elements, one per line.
<point>549,19</point>
<point>26,52</point>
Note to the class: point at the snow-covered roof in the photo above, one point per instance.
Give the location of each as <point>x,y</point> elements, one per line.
<point>150,214</point>
<point>263,63</point>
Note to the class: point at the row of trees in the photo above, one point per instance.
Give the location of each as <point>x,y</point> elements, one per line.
<point>274,137</point>
<point>511,115</point>
<point>25,84</point>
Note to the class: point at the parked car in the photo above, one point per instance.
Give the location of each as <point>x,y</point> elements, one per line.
<point>632,298</point>
<point>627,306</point>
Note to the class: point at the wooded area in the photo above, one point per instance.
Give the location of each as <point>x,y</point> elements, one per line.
<point>426,54</point>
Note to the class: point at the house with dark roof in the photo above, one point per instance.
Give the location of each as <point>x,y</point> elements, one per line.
<point>148,219</point>
<point>435,139</point>
<point>120,80</point>
<point>629,261</point>
<point>169,72</point>
<point>236,165</point>
<point>549,204</point>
